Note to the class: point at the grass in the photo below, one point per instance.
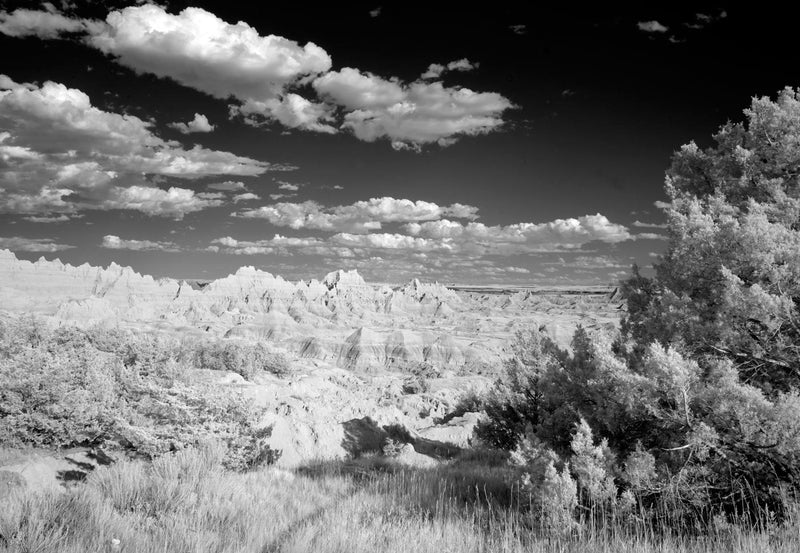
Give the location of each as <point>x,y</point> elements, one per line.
<point>186,502</point>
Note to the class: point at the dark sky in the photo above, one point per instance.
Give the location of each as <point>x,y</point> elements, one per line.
<point>576,114</point>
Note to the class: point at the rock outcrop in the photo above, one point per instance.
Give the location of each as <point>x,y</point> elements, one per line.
<point>340,319</point>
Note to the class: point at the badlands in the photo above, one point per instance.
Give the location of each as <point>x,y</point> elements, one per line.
<point>353,347</point>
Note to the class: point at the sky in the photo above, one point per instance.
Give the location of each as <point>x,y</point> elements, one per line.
<point>516,145</point>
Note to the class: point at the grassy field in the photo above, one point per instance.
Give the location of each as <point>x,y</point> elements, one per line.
<point>187,502</point>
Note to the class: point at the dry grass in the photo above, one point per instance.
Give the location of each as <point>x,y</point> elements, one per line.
<point>188,503</point>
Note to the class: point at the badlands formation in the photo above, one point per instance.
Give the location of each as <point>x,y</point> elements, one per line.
<point>352,345</point>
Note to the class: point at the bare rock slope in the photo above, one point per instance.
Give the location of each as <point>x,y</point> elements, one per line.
<point>340,319</point>
<point>353,344</point>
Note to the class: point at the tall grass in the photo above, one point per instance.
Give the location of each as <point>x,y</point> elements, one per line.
<point>186,502</point>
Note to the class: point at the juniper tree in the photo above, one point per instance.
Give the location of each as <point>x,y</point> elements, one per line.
<point>729,282</point>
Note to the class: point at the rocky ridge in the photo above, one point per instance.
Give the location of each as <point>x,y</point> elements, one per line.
<point>340,319</point>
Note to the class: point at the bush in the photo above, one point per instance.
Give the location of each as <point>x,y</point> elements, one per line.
<point>671,433</point>
<point>59,389</point>
<point>697,401</point>
<point>416,385</point>
<point>240,357</point>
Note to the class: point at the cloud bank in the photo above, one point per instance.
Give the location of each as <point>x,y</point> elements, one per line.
<point>273,79</point>
<point>359,217</point>
<point>61,154</point>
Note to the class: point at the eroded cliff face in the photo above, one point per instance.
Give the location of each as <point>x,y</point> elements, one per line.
<point>340,320</point>
<point>353,346</point>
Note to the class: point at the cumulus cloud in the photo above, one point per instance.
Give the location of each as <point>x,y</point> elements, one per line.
<point>376,12</point>
<point>200,50</point>
<point>652,27</point>
<point>43,24</point>
<point>247,196</point>
<point>116,243</point>
<point>292,111</point>
<point>518,29</point>
<point>227,186</point>
<point>61,154</point>
<point>264,74</point>
<point>359,217</point>
<point>642,224</point>
<point>392,241</point>
<point>410,115</point>
<point>47,219</point>
<point>198,124</point>
<point>283,185</point>
<point>649,236</point>
<point>521,237</point>
<point>277,243</point>
<point>436,70</point>
<point>175,202</point>
<point>443,237</point>
<point>22,244</point>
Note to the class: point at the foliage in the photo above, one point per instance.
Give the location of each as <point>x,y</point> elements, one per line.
<point>246,359</point>
<point>515,401</point>
<point>729,283</point>
<point>61,387</point>
<point>696,403</point>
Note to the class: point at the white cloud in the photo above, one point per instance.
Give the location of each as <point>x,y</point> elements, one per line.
<point>391,241</point>
<point>263,74</point>
<point>410,115</point>
<point>292,111</point>
<point>247,196</point>
<point>436,70</point>
<point>175,202</point>
<point>116,243</point>
<point>21,244</point>
<point>359,217</point>
<point>61,154</point>
<point>459,241</point>
<point>198,124</point>
<point>47,219</point>
<point>522,237</point>
<point>642,224</point>
<point>227,186</point>
<point>652,27</point>
<point>280,243</point>
<point>43,24</point>
<point>200,50</point>
<point>211,195</point>
<point>376,12</point>
<point>518,29</point>
<point>283,185</point>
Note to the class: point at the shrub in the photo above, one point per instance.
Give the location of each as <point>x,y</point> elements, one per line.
<point>700,391</point>
<point>58,389</point>
<point>672,436</point>
<point>240,357</point>
<point>416,385</point>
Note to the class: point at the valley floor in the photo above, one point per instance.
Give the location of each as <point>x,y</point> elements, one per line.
<point>187,503</point>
